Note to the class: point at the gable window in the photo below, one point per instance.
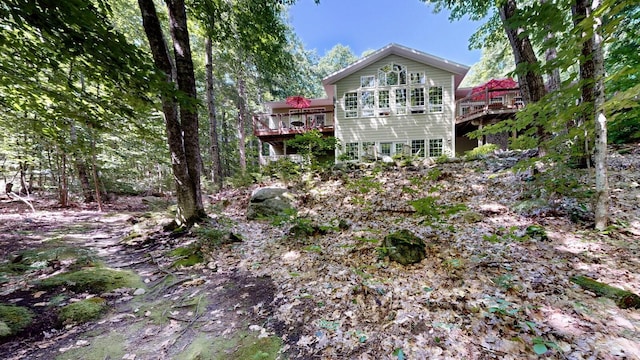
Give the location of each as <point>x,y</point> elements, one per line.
<point>351,104</point>
<point>368,103</point>
<point>417,148</point>
<point>417,100</point>
<point>351,151</point>
<point>392,74</point>
<point>416,78</point>
<point>435,147</point>
<point>401,101</point>
<point>435,99</point>
<point>367,81</point>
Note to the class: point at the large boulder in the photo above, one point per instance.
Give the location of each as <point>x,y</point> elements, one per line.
<point>269,202</point>
<point>405,247</point>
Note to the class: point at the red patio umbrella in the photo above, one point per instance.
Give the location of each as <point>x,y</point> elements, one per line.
<point>478,92</point>
<point>298,102</point>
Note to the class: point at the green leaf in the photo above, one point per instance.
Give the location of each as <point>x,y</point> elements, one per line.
<point>540,349</point>
<point>399,353</point>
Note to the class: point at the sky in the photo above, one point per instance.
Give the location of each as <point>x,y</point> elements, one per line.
<point>372,24</point>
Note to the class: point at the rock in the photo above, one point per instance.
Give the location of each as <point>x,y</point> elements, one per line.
<point>269,202</point>
<point>404,247</point>
<point>387,159</point>
<point>139,291</point>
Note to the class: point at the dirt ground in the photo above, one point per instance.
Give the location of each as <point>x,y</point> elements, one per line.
<point>487,290</point>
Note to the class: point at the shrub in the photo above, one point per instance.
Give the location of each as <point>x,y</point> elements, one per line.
<point>480,151</point>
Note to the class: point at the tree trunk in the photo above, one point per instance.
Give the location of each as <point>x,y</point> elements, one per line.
<point>225,141</point>
<point>182,136</point>
<point>553,73</point>
<point>216,166</point>
<point>527,66</point>
<point>242,151</point>
<point>81,167</point>
<point>602,184</point>
<point>94,172</point>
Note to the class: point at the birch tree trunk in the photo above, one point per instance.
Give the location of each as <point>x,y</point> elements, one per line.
<point>602,184</point>
<point>216,166</point>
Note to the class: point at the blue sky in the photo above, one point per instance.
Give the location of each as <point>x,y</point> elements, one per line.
<point>372,24</point>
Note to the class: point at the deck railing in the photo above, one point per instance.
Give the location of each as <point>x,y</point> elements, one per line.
<point>491,100</point>
<point>282,124</point>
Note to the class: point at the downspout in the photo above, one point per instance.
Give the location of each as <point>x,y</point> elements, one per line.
<point>453,125</point>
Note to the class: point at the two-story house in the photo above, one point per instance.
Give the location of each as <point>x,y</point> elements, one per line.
<point>397,100</point>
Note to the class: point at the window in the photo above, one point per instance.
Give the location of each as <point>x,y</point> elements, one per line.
<point>417,100</point>
<point>318,120</point>
<point>435,99</point>
<point>385,149</point>
<point>368,148</point>
<point>401,101</point>
<point>351,151</point>
<point>416,78</point>
<point>392,74</point>
<point>417,148</point>
<point>399,148</point>
<point>351,104</point>
<point>496,100</point>
<point>435,147</point>
<point>383,99</point>
<point>368,103</point>
<point>367,81</point>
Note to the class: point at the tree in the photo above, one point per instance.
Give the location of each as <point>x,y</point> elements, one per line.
<point>337,58</point>
<point>179,108</point>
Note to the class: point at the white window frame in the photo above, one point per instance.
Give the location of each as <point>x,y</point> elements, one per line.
<point>349,151</point>
<point>367,81</point>
<point>368,103</point>
<point>423,148</point>
<point>436,147</point>
<point>436,101</point>
<point>400,108</point>
<point>382,144</point>
<point>351,104</point>
<point>420,105</point>
<point>417,78</point>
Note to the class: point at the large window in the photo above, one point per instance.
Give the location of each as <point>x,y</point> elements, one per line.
<point>435,99</point>
<point>417,148</point>
<point>351,104</point>
<point>435,147</point>
<point>417,100</point>
<point>383,99</point>
<point>351,151</point>
<point>368,102</point>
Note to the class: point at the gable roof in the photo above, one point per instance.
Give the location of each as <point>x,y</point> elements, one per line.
<point>458,70</point>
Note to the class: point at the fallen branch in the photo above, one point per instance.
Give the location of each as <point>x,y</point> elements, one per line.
<point>623,298</point>
<point>16,196</point>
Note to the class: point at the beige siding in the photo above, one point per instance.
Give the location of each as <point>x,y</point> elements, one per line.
<point>398,128</point>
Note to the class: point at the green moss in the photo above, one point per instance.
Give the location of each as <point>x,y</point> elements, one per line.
<point>94,280</point>
<point>102,347</point>
<point>240,346</point>
<point>14,318</point>
<point>83,311</point>
<point>189,256</point>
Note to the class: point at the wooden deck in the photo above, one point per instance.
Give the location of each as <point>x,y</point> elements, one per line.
<point>279,127</point>
<point>493,103</point>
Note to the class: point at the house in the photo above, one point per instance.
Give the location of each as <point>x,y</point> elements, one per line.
<point>395,101</point>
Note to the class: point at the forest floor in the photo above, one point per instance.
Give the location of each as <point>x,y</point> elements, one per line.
<point>502,248</point>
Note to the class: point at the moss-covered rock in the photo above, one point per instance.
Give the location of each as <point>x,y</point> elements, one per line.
<point>405,247</point>
<point>93,280</point>
<point>83,311</point>
<point>13,319</point>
